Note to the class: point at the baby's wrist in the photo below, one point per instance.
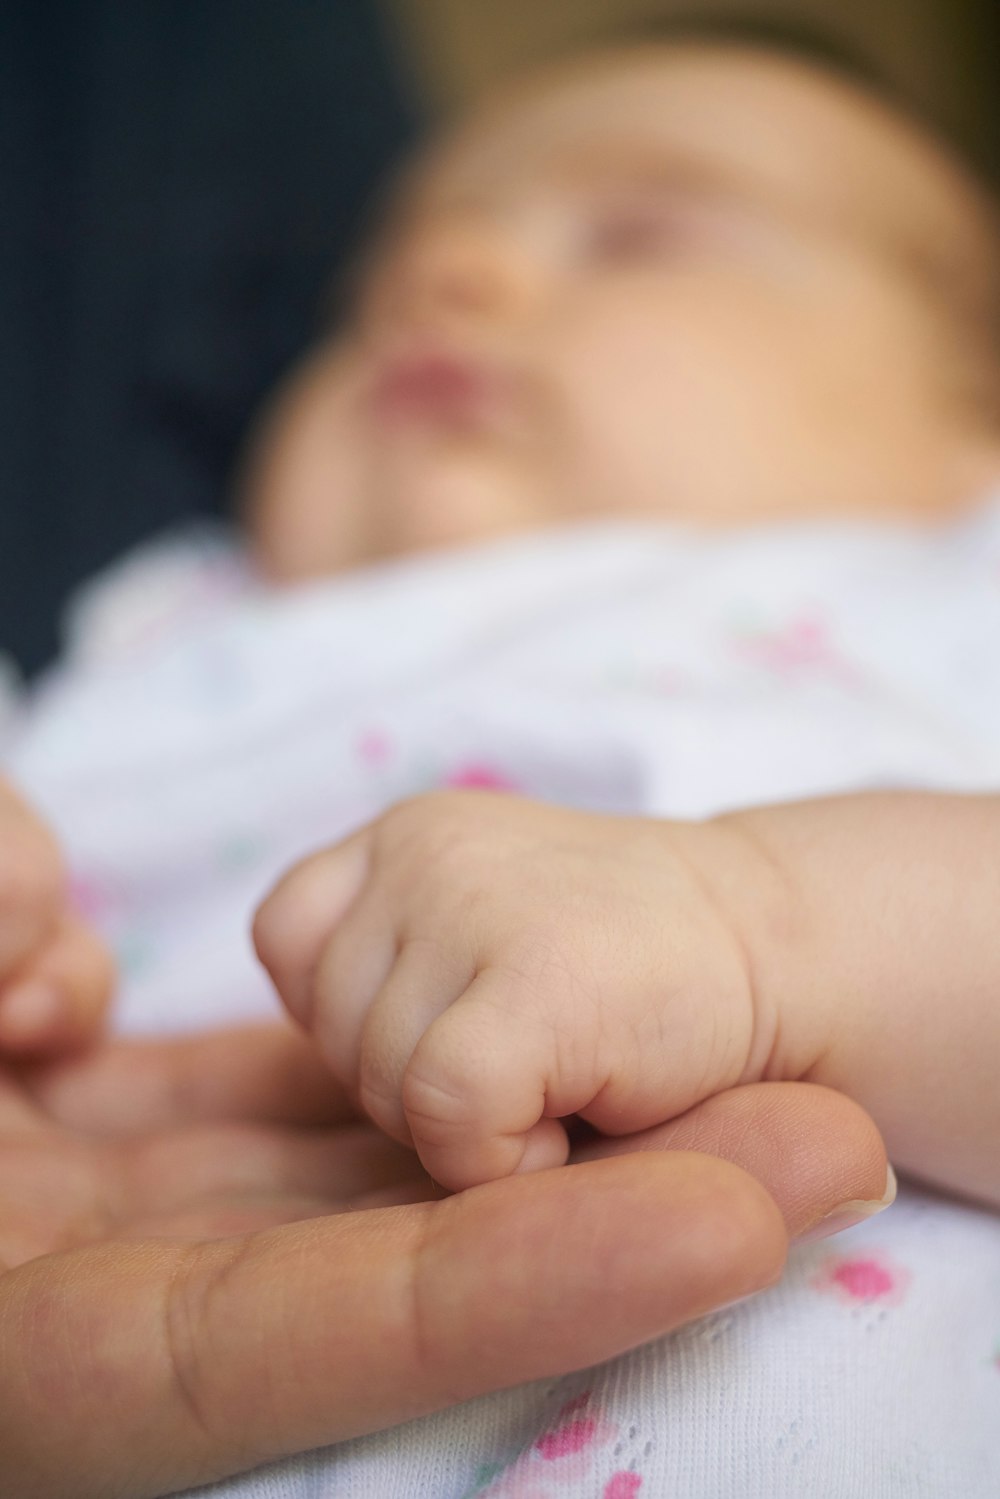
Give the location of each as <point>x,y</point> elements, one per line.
<point>761,905</point>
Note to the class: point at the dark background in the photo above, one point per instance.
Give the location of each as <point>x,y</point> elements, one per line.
<point>177,178</point>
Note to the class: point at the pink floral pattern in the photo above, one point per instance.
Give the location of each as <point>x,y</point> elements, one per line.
<point>802,645</point>
<point>863,1279</point>
<point>563,1461</point>
<point>477,775</point>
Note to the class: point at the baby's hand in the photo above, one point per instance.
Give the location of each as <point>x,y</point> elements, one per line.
<point>477,967</point>
<point>55,975</point>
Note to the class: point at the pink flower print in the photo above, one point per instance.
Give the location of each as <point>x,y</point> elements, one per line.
<point>560,1459</point>
<point>88,898</point>
<point>476,775</point>
<point>565,1440</point>
<point>622,1485</point>
<point>863,1279</point>
<point>374,748</point>
<point>570,1443</point>
<point>801,645</point>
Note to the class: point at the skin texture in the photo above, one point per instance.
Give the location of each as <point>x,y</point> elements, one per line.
<point>701,284</point>
<point>208,1260</point>
<point>55,975</point>
<point>478,967</point>
<point>655,224</point>
<point>217,1264</point>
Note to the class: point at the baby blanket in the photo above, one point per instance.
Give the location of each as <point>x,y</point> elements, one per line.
<point>204,731</point>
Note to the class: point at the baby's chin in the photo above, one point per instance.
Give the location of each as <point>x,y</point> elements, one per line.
<point>426,495</point>
<point>409,499</point>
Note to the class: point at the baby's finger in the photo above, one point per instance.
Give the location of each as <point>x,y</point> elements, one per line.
<point>31,881</point>
<point>425,980</point>
<point>58,1000</point>
<point>295,922</point>
<point>486,1087</point>
<point>352,968</point>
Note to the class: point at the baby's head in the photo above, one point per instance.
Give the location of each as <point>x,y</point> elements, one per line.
<point>694,280</point>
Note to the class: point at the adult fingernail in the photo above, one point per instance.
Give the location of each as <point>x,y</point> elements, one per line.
<point>30,1010</point>
<point>850,1213</point>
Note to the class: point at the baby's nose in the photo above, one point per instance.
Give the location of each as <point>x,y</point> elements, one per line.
<point>456,273</point>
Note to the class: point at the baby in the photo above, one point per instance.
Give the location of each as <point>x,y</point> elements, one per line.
<point>688,284</point>
<point>651,477</point>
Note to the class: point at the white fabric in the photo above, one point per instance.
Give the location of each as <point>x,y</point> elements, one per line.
<point>203,732</point>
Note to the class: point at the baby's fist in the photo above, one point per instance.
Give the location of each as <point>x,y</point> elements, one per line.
<point>476,968</point>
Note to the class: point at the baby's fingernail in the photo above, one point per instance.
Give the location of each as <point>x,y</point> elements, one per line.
<point>850,1213</point>
<point>30,1010</point>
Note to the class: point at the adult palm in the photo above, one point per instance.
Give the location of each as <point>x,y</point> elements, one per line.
<point>208,1261</point>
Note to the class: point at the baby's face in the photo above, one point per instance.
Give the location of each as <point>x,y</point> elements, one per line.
<point>692,283</point>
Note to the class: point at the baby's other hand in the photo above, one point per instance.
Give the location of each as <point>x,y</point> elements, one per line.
<point>55,974</point>
<point>476,968</point>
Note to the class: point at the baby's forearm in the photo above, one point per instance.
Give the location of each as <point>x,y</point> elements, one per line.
<point>872,931</point>
<point>479,968</point>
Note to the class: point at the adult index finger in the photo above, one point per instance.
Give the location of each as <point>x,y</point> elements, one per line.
<point>173,1365</point>
<point>818,1153</point>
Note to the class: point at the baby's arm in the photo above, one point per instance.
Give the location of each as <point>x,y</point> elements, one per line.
<point>882,974</point>
<point>479,967</point>
<point>55,974</point>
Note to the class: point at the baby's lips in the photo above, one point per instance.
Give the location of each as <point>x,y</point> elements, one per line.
<point>850,1213</point>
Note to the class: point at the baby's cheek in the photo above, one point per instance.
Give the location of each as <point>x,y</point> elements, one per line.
<point>688,418</point>
<point>645,393</point>
<point>303,488</point>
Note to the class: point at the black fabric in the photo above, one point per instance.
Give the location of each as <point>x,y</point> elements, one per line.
<point>178,178</point>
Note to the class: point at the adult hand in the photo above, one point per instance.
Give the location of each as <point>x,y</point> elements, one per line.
<point>189,1288</point>
<point>55,974</point>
